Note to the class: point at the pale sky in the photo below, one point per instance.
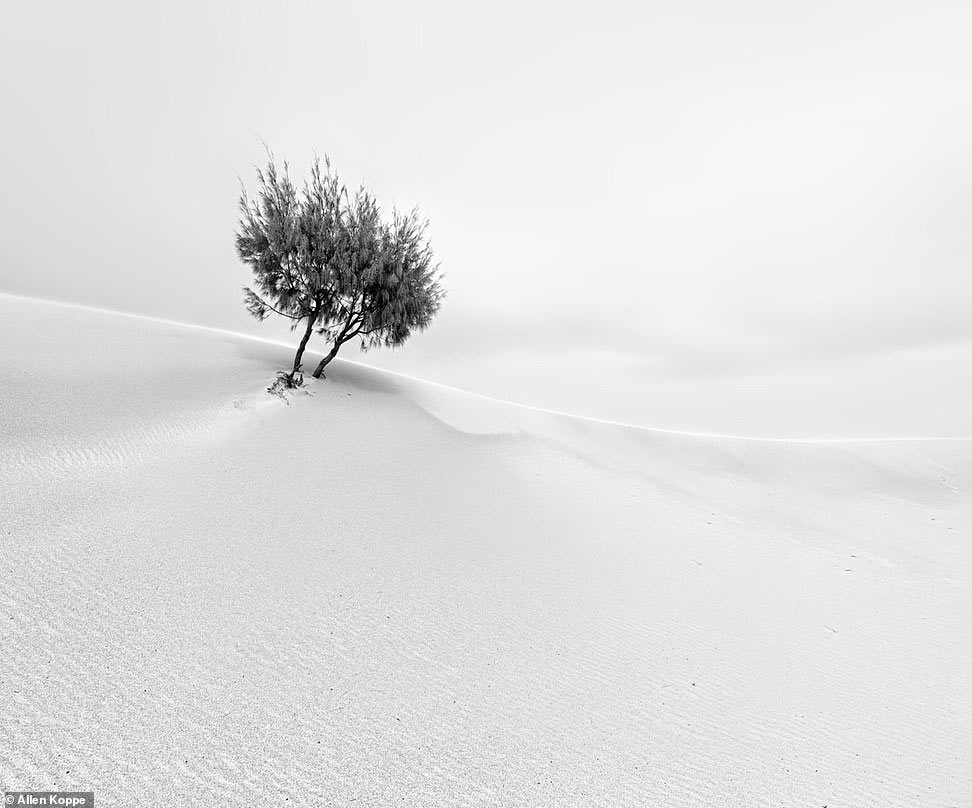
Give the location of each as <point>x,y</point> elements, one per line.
<point>749,217</point>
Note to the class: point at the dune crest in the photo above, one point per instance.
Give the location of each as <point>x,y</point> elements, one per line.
<point>388,591</point>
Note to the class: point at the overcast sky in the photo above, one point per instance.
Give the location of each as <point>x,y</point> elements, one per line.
<point>635,204</point>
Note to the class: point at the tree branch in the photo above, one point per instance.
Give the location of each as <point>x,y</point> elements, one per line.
<point>254,300</point>
<point>281,313</point>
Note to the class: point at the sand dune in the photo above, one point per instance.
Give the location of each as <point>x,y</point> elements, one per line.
<point>388,593</point>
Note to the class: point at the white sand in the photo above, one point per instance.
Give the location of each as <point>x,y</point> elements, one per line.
<point>387,593</point>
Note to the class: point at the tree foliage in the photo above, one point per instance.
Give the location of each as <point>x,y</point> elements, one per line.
<point>332,263</point>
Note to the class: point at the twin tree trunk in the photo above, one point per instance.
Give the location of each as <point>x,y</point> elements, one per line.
<point>319,370</point>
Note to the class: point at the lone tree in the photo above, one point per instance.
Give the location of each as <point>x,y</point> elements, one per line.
<point>332,264</point>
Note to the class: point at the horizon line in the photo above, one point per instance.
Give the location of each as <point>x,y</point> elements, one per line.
<point>485,397</point>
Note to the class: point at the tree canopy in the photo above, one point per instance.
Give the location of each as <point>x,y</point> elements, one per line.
<point>331,263</point>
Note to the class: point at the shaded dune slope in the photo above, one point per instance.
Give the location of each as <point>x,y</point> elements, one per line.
<point>389,593</point>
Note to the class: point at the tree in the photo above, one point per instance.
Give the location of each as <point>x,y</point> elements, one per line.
<point>332,264</point>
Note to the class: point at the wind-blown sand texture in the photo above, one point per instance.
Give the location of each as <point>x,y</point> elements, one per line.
<point>388,593</point>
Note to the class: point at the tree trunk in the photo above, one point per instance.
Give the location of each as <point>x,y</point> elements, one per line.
<point>344,336</point>
<point>303,343</point>
<point>319,370</point>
